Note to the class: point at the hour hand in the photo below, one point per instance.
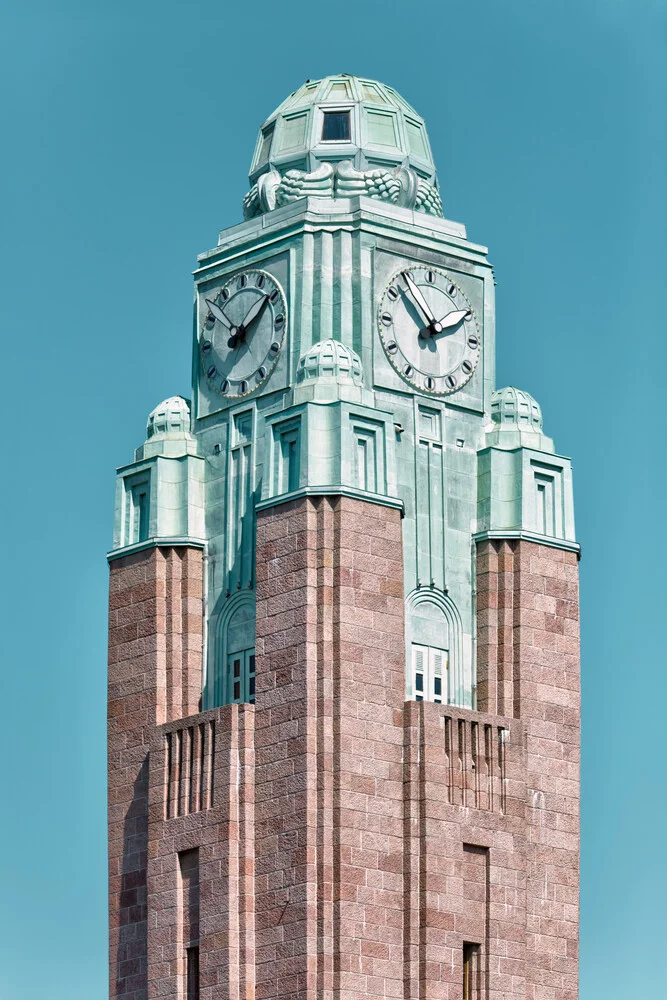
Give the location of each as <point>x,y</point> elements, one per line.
<point>453,318</point>
<point>217,313</point>
<point>421,302</point>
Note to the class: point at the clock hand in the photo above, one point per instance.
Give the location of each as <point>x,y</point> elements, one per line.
<point>255,309</point>
<point>254,312</point>
<point>452,318</point>
<point>427,312</point>
<point>217,312</point>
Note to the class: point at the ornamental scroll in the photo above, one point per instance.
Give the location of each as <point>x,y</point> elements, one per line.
<point>401,186</point>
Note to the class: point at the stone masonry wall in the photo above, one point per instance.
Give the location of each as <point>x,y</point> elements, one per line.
<point>528,608</point>
<point>334,841</point>
<point>330,687</point>
<point>155,655</point>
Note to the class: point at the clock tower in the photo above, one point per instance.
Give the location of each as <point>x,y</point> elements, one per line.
<point>343,653</point>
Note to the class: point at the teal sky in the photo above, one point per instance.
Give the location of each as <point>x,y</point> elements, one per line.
<point>127,130</point>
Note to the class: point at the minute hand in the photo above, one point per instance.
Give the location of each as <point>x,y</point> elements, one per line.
<point>254,312</point>
<point>422,303</point>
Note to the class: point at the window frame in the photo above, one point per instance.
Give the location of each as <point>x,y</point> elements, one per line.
<point>434,668</point>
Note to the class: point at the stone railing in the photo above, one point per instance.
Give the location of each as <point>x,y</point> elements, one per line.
<point>466,753</point>
<point>188,754</point>
<point>475,762</point>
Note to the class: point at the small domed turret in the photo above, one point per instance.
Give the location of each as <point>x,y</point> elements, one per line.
<point>516,407</point>
<point>517,421</point>
<point>168,431</point>
<point>328,371</point>
<point>170,419</point>
<point>331,359</point>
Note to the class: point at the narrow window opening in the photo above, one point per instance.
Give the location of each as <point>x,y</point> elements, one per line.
<point>189,923</point>
<point>336,126</point>
<point>471,971</point>
<point>241,674</point>
<point>143,517</point>
<point>192,973</point>
<point>251,678</point>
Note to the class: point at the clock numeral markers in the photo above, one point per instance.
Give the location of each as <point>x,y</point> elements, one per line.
<point>468,315</point>
<point>451,289</point>
<point>392,293</point>
<point>429,382</point>
<point>243,387</point>
<point>206,346</point>
<point>273,297</point>
<point>260,373</point>
<point>212,371</point>
<point>430,277</point>
<point>243,281</point>
<point>387,319</point>
<point>279,320</point>
<point>225,386</point>
<point>261,278</point>
<point>466,366</point>
<point>392,347</point>
<point>408,370</point>
<point>274,348</point>
<point>473,342</point>
<point>451,381</point>
<point>210,320</point>
<point>224,294</point>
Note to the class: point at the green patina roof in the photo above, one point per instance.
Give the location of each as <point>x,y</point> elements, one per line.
<point>384,129</point>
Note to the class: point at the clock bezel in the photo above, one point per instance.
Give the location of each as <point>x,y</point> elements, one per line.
<point>442,389</point>
<point>279,338</point>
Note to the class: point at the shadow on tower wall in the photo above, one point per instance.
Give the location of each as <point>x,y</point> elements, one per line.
<point>132,951</point>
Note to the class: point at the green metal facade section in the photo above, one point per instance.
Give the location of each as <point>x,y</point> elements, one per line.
<point>335,416</point>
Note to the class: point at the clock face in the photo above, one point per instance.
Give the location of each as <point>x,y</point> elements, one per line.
<point>429,330</point>
<point>242,330</point>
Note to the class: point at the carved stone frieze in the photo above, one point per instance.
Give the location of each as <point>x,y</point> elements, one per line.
<point>400,186</point>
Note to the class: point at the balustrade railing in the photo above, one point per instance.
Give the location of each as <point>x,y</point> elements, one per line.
<point>189,756</point>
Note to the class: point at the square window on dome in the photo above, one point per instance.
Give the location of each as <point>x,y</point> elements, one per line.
<point>336,126</point>
<point>339,90</point>
<point>371,93</point>
<point>381,129</point>
<point>267,136</point>
<point>416,139</point>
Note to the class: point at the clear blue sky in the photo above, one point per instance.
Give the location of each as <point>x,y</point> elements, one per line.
<point>127,130</point>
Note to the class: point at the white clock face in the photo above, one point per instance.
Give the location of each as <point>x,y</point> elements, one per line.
<point>242,327</point>
<point>429,330</point>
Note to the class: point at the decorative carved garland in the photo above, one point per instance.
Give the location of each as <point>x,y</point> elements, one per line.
<point>400,186</point>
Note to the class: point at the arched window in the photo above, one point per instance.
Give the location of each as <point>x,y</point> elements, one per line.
<point>232,661</point>
<point>240,655</point>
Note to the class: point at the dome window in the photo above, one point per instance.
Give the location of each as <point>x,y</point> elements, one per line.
<point>336,126</point>
<point>267,136</point>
